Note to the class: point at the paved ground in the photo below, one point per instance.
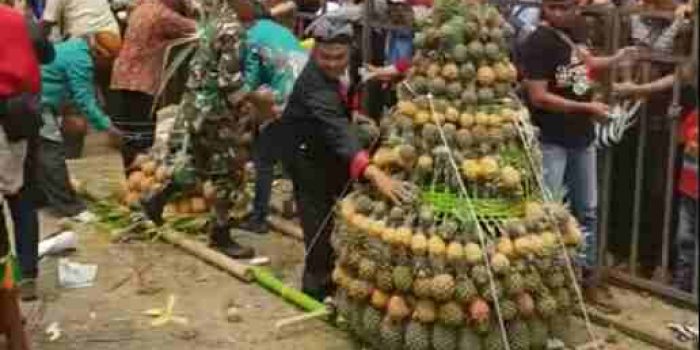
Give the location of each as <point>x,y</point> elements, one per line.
<point>103,317</point>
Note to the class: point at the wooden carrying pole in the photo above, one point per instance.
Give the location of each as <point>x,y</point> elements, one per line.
<point>237,269</point>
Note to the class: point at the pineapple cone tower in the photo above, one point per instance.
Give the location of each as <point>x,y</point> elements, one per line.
<point>480,260</point>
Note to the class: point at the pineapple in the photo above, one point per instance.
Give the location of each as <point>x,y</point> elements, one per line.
<point>560,327</point>
<point>514,283</point>
<point>355,316</point>
<point>442,287</point>
<point>342,303</point>
<point>493,339</point>
<point>367,268</point>
<point>465,290</point>
<point>391,334</point>
<point>455,252</point>
<point>480,275</point>
<point>533,281</point>
<point>359,290</point>
<point>518,335</point>
<point>546,305</point>
<point>419,243</point>
<point>384,279</point>
<point>556,280</point>
<point>468,340</point>
<point>422,287</point>
<point>473,253</point>
<point>563,298</point>
<point>379,299</point>
<point>526,305</point>
<point>539,334</point>
<point>417,336</point>
<point>424,311</point>
<point>509,309</point>
<point>450,314</point>
<point>500,263</point>
<point>403,278</point>
<point>397,309</point>
<point>371,323</point>
<point>488,294</point>
<point>444,337</point>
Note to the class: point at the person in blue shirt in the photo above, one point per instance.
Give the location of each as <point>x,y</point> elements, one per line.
<point>69,79</point>
<point>272,59</point>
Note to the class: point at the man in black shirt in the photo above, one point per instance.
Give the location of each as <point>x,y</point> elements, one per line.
<point>321,153</point>
<point>557,72</point>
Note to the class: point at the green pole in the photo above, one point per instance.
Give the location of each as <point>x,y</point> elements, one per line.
<point>267,280</point>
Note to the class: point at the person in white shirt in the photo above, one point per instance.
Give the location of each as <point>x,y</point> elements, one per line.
<point>80,17</point>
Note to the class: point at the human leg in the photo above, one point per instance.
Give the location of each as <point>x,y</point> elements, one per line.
<point>581,182</point>
<point>315,210</point>
<point>54,181</point>
<point>686,244</point>
<point>135,120</point>
<point>264,161</point>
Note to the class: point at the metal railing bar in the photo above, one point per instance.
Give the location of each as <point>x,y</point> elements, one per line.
<point>675,295</point>
<point>611,44</point>
<point>639,178</point>
<point>674,111</point>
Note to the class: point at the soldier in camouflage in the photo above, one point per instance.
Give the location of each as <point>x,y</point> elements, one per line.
<point>218,130</point>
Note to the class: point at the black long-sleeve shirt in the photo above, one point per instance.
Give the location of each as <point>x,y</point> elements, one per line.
<point>316,122</point>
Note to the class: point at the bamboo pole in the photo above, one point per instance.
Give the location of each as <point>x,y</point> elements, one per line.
<point>237,269</point>
<point>268,281</point>
<point>286,227</point>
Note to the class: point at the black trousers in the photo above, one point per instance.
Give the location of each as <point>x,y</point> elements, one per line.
<point>316,190</point>
<point>25,217</point>
<point>131,113</point>
<point>54,182</point>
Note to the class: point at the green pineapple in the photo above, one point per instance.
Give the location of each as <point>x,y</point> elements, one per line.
<point>509,309</point>
<point>384,279</point>
<point>469,340</point>
<point>451,314</point>
<point>539,334</point>
<point>546,305</point>
<point>514,283</point>
<point>444,337</point>
<point>493,339</point>
<point>533,281</point>
<point>518,335</point>
<point>465,290</point>
<point>480,275</point>
<point>342,303</point>
<point>371,323</point>
<point>487,292</point>
<point>391,334</point>
<point>560,327</point>
<point>563,298</point>
<point>402,276</point>
<point>556,279</point>
<point>417,336</point>
<point>356,317</point>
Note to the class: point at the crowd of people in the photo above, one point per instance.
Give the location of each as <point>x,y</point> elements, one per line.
<point>77,52</point>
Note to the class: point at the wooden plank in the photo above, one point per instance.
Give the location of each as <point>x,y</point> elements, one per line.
<point>627,328</point>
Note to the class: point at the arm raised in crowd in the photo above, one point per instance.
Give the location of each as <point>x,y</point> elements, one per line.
<point>605,62</point>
